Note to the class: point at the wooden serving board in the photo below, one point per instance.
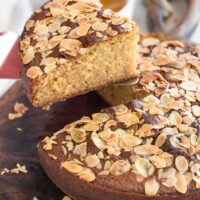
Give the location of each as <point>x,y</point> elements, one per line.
<point>20,146</point>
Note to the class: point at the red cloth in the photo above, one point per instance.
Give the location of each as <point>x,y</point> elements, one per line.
<point>11,67</point>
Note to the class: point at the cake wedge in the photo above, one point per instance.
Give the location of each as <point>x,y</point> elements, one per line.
<point>70,47</point>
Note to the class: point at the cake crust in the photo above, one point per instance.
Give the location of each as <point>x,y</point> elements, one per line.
<point>60,33</point>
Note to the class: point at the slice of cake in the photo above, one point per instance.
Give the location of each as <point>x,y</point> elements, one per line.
<point>142,150</point>
<point>162,64</point>
<point>70,47</point>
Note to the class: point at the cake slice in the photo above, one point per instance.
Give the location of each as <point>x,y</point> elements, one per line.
<point>71,47</point>
<point>142,150</point>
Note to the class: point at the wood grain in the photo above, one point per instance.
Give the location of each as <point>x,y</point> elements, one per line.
<point>20,147</point>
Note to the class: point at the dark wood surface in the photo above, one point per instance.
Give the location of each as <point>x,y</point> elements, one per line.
<point>20,147</point>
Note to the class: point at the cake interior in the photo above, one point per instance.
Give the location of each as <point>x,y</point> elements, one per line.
<point>104,63</point>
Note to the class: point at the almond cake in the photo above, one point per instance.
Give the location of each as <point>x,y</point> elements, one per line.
<point>145,149</point>
<point>70,47</point>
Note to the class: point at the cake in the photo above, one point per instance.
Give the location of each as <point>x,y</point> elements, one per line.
<point>162,64</point>
<point>140,150</point>
<point>70,47</point>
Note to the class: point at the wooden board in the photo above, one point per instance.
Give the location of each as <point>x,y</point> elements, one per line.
<point>20,147</point>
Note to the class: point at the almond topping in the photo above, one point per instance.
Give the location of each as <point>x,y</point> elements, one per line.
<point>100,26</point>
<point>175,118</point>
<point>78,135</point>
<point>144,167</point>
<point>196,110</point>
<point>150,42</point>
<point>131,141</point>
<point>160,140</point>
<point>87,175</point>
<point>92,161</point>
<point>71,45</point>
<point>151,187</point>
<point>128,119</point>
<point>91,127</point>
<point>72,167</point>
<point>99,118</point>
<point>28,56</point>
<point>146,149</point>
<point>181,164</point>
<point>120,167</point>
<point>181,184</point>
<point>34,72</point>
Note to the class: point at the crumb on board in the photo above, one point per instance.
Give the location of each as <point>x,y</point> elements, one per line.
<point>19,110</point>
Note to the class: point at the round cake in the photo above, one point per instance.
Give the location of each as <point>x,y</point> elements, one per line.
<point>145,149</point>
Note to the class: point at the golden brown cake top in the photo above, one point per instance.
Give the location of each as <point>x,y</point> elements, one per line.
<point>63,29</point>
<point>149,146</point>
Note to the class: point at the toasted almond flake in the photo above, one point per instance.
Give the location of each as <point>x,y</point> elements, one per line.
<point>81,149</point>
<point>169,131</point>
<point>91,127</point>
<point>99,118</point>
<point>72,166</point>
<point>120,110</point>
<point>78,135</point>
<point>120,167</point>
<point>87,176</point>
<point>196,110</point>
<point>129,119</point>
<point>188,85</point>
<point>150,41</point>
<point>28,56</point>
<point>80,31</point>
<point>181,164</point>
<point>66,198</point>
<point>71,45</point>
<point>181,184</point>
<point>34,72</point>
<point>146,149</point>
<point>197,181</point>
<point>29,24</point>
<point>92,161</point>
<point>144,167</point>
<point>175,118</point>
<point>127,25</point>
<point>111,32</point>
<point>118,21</point>
<point>160,140</point>
<point>110,123</point>
<point>106,134</point>
<point>100,144</point>
<point>99,35</point>
<point>131,140</point>
<point>198,94</point>
<point>100,26</point>
<point>151,187</point>
<point>13,116</point>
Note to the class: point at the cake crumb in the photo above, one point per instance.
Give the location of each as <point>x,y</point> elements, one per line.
<point>20,109</point>
<point>17,170</point>
<point>66,198</point>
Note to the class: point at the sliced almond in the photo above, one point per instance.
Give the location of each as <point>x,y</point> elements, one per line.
<point>144,167</point>
<point>80,31</point>
<point>81,149</point>
<point>100,26</point>
<point>99,118</point>
<point>92,161</point>
<point>34,72</point>
<point>20,108</point>
<point>129,119</point>
<point>120,167</point>
<point>78,135</point>
<point>106,134</point>
<point>72,167</point>
<point>181,164</point>
<point>160,140</point>
<point>131,141</point>
<point>181,184</point>
<point>196,110</point>
<point>120,110</point>
<point>87,175</point>
<point>146,149</point>
<point>28,55</point>
<point>91,127</point>
<point>188,85</point>
<point>71,45</point>
<point>150,41</point>
<point>175,118</point>
<point>151,187</point>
